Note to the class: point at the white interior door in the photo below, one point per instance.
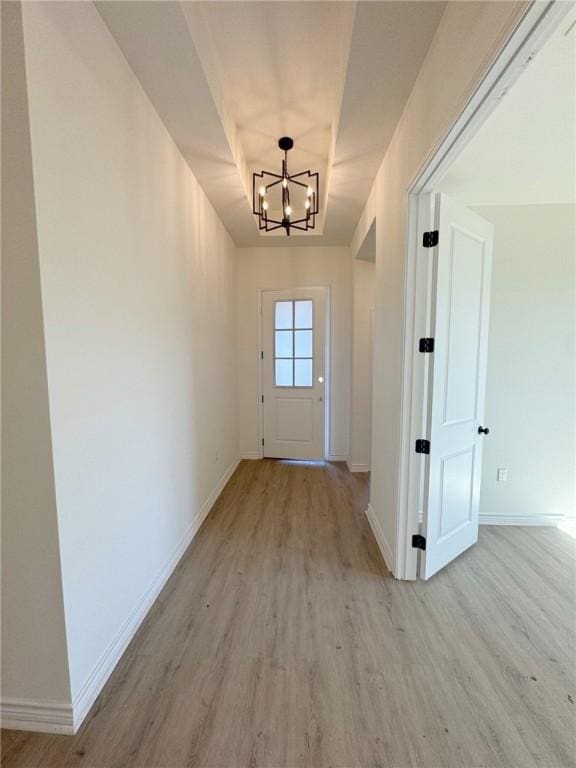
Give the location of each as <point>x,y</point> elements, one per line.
<point>460,317</point>
<point>294,353</point>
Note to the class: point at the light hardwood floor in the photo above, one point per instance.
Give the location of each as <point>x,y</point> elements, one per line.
<point>281,640</point>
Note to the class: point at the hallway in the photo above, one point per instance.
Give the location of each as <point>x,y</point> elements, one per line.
<point>280,640</point>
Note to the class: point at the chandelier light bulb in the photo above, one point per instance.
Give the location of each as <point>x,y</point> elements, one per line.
<point>262,191</point>
<point>284,182</point>
<point>309,191</point>
<point>307,204</point>
<point>265,205</point>
<point>288,210</point>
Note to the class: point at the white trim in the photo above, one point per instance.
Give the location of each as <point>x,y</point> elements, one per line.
<point>336,457</point>
<point>383,545</point>
<point>522,519</point>
<point>37,715</point>
<point>532,31</point>
<point>328,336</point>
<point>518,519</point>
<point>87,695</point>
<point>251,455</point>
<point>357,467</point>
<point>260,370</point>
<point>415,370</point>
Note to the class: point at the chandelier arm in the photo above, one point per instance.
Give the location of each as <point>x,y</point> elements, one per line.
<point>299,183</point>
<point>301,173</point>
<point>313,177</point>
<point>266,173</point>
<point>317,194</point>
<point>254,194</point>
<point>273,184</point>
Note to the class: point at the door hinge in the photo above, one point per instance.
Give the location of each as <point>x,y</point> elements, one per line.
<point>262,355</point>
<point>430,239</point>
<point>418,541</point>
<point>422,446</point>
<point>426,345</point>
<point>262,398</point>
<point>262,441</point>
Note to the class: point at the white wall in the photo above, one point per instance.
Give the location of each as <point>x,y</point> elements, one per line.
<point>291,267</point>
<point>363,276</point>
<point>138,292</point>
<point>467,40</point>
<point>34,658</point>
<point>530,395</point>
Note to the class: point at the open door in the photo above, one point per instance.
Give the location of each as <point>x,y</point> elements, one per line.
<point>457,383</point>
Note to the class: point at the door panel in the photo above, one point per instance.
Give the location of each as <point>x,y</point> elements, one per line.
<point>293,419</point>
<point>460,317</point>
<point>466,263</point>
<point>456,473</point>
<point>293,344</point>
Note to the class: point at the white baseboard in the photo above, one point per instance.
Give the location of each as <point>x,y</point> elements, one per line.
<point>357,467</point>
<point>37,715</point>
<point>58,717</point>
<point>522,519</point>
<point>254,455</point>
<point>380,539</point>
<point>518,519</point>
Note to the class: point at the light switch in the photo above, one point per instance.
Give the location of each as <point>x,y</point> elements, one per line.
<point>502,475</point>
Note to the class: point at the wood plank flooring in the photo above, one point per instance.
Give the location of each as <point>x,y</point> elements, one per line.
<point>281,640</point>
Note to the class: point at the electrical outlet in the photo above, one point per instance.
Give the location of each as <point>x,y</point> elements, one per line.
<point>502,475</point>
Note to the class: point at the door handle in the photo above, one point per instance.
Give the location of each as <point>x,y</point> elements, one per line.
<point>483,431</point>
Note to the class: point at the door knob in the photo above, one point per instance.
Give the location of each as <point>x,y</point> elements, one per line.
<point>483,431</point>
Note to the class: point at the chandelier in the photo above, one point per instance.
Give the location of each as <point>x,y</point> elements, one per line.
<point>282,200</point>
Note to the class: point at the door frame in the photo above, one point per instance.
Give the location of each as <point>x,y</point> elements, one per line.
<point>327,360</point>
<point>532,32</point>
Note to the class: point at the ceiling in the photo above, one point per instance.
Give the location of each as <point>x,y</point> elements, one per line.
<point>229,78</point>
<point>525,153</point>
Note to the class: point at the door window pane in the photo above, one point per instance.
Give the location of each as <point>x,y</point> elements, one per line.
<point>284,344</point>
<point>302,314</point>
<point>284,373</point>
<point>303,344</point>
<point>293,349</point>
<point>283,314</point>
<point>303,373</point>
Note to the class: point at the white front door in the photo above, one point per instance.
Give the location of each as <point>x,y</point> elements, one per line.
<point>293,368</point>
<point>460,316</point>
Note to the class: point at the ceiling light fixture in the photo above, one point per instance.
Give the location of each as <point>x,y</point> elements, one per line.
<point>272,202</point>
